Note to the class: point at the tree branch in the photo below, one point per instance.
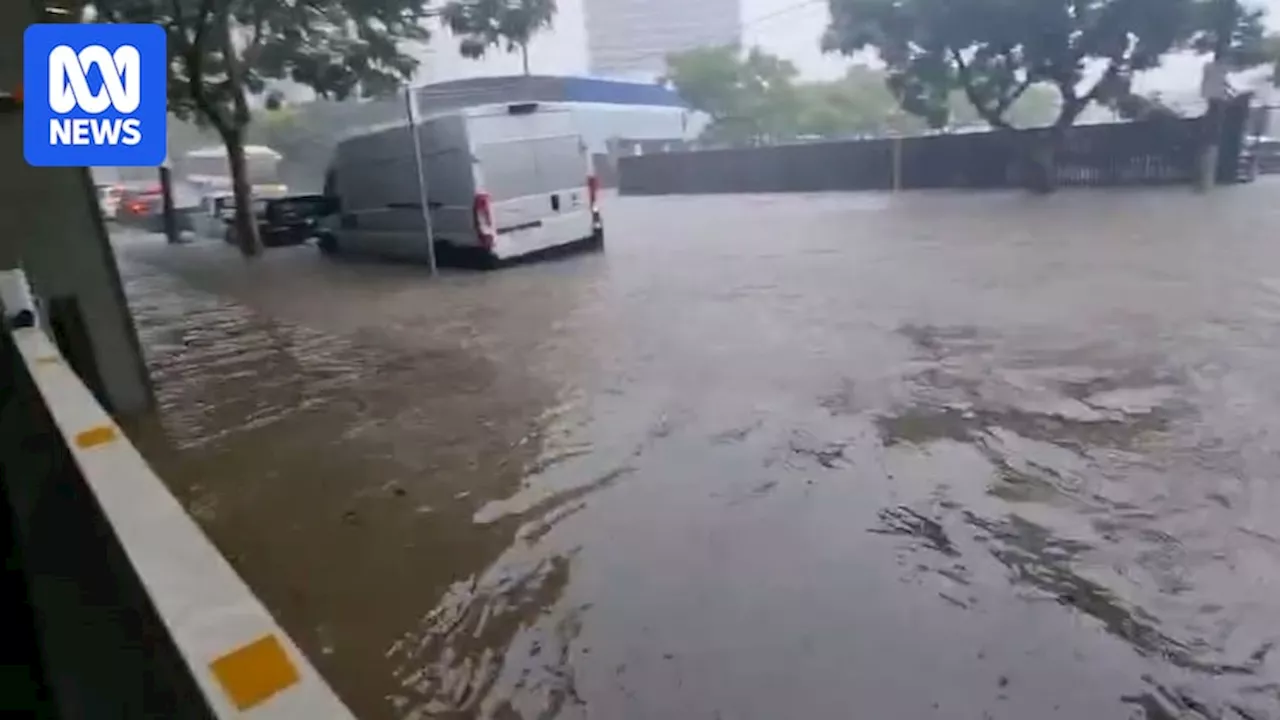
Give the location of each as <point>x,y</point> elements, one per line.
<point>180,24</point>
<point>235,76</point>
<point>255,43</point>
<point>1111,73</point>
<point>195,68</point>
<point>994,119</point>
<point>1013,97</point>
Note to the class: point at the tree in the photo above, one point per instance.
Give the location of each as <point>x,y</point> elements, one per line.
<point>756,96</point>
<point>857,104</point>
<point>223,50</point>
<point>995,51</point>
<point>861,103</point>
<point>749,97</point>
<point>483,24</point>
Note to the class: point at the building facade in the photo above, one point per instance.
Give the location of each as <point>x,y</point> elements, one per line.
<point>632,38</point>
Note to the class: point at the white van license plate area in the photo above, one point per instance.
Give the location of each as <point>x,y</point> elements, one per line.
<point>549,232</point>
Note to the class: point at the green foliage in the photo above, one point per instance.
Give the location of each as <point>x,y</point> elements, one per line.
<point>1232,31</point>
<point>1143,107</point>
<point>857,104</point>
<point>749,97</point>
<point>756,97</point>
<point>222,49</point>
<point>996,51</point>
<point>484,24</point>
<point>1265,50</point>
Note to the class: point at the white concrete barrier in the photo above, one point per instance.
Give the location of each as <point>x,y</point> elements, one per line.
<point>245,664</point>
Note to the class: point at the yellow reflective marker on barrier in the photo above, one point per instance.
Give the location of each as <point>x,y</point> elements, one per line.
<point>255,672</point>
<point>48,360</point>
<point>94,437</point>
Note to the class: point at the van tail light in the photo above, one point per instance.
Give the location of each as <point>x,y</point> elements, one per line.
<point>593,191</point>
<point>483,209</point>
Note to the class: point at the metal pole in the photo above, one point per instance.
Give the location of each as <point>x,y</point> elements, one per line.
<point>895,119</point>
<point>412,111</point>
<point>897,163</point>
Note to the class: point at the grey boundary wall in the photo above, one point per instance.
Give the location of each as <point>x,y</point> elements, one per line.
<point>1139,153</point>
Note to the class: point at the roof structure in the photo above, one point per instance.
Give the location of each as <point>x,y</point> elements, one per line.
<point>542,88</point>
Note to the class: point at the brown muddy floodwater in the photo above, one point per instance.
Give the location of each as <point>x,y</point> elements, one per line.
<point>839,456</point>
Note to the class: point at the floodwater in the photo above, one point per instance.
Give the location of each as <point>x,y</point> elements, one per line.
<point>927,456</point>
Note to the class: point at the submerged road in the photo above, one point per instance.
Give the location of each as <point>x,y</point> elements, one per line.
<point>932,456</point>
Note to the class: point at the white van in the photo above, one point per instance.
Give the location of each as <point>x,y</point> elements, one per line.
<point>502,181</point>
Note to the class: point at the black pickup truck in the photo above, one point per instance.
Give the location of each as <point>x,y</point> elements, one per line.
<point>283,221</point>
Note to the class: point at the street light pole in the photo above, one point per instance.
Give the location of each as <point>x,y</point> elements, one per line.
<point>411,110</point>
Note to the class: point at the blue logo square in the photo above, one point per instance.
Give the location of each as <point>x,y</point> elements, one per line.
<point>94,95</point>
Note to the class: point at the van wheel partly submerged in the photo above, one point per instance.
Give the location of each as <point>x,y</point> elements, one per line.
<point>596,241</point>
<point>327,243</point>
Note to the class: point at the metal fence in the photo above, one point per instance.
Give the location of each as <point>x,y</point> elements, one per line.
<point>1142,153</point>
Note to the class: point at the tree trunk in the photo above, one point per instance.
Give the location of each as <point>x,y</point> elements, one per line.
<point>1042,161</point>
<point>524,57</point>
<point>245,225</point>
<point>1046,147</point>
<point>169,213</point>
<point>1211,126</point>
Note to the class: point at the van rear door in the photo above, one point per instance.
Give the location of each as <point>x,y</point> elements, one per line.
<point>508,177</point>
<point>533,168</point>
<point>564,167</point>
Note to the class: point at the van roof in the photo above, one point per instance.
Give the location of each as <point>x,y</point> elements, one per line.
<point>220,151</point>
<point>486,110</point>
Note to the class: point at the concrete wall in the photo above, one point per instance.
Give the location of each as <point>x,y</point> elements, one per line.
<point>51,227</point>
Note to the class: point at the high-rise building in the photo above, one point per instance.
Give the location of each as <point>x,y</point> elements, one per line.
<point>632,38</point>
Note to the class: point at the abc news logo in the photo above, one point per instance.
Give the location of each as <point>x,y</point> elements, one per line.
<point>96,95</point>
<point>121,90</point>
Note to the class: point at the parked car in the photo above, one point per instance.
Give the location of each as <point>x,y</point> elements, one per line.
<point>139,203</point>
<point>207,220</point>
<point>109,201</point>
<point>1266,151</point>
<point>284,221</point>
<point>1247,168</point>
